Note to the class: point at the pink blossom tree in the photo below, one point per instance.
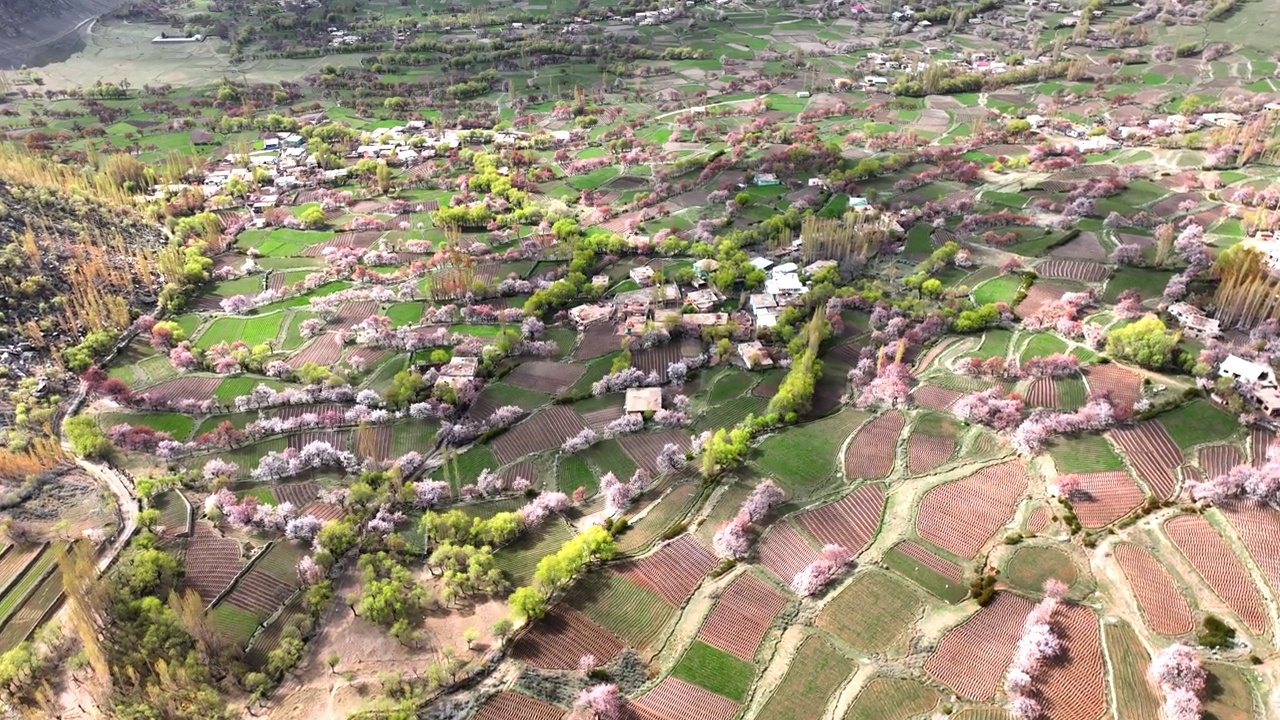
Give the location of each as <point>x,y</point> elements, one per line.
<point>599,702</point>
<point>814,577</point>
<point>764,498</point>
<point>733,539</point>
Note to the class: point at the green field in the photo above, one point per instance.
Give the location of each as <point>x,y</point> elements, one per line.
<point>816,672</point>
<point>1134,699</point>
<point>995,343</point>
<point>1149,283</point>
<point>608,456</point>
<point>803,458</point>
<point>999,289</point>
<point>252,331</point>
<point>26,583</point>
<point>886,697</point>
<point>234,625</point>
<point>871,612</point>
<point>176,424</point>
<point>1084,454</point>
<point>634,613</point>
<point>232,388</point>
<point>1042,345</point>
<point>715,670</point>
<point>1197,422</point>
<point>660,517</point>
<point>519,559</point>
<point>926,578</point>
<point>572,472</point>
<point>1029,568</point>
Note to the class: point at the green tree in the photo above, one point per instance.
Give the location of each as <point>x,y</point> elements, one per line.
<point>1146,342</point>
<point>86,438</point>
<point>312,217</point>
<point>528,603</point>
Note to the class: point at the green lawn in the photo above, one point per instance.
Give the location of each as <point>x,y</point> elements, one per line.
<point>804,458</point>
<point>1148,283</point>
<point>572,472</point>
<point>1042,345</point>
<point>1199,421</point>
<point>998,289</point>
<point>995,344</point>
<point>405,313</point>
<point>176,424</point>
<point>715,670</point>
<point>934,582</point>
<point>251,331</point>
<point>1084,454</point>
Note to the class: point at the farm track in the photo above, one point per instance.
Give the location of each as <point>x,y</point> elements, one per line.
<point>1215,561</point>
<point>1160,601</point>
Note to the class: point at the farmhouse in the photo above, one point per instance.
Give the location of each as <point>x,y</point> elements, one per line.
<point>643,275</point>
<point>643,400</point>
<point>754,355</point>
<point>1246,370</point>
<point>1194,322</point>
<point>584,315</point>
<point>459,370</point>
<point>702,300</point>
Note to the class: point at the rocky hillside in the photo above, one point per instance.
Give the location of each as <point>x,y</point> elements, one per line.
<point>28,25</point>
<point>68,266</point>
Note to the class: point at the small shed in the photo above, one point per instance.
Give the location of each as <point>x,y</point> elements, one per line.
<point>643,400</point>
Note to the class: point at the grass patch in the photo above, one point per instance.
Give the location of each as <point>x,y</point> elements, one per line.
<point>994,344</point>
<point>649,528</point>
<point>232,388</point>
<point>262,494</point>
<point>715,670</point>
<point>608,456</point>
<point>572,472</point>
<point>1148,283</point>
<point>1042,345</point>
<point>1228,696</point>
<point>1134,698</point>
<point>636,614</point>
<point>804,457</point>
<point>405,313</point>
<point>233,624</point>
<point>1199,421</point>
<point>504,394</point>
<point>1001,288</point>
<point>1084,454</point>
<point>519,559</point>
<point>730,385</point>
<point>252,331</point>
<point>1030,567</point>
<point>816,671</point>
<point>931,581</point>
<point>464,468</point>
<point>871,612</point>
<point>176,424</point>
